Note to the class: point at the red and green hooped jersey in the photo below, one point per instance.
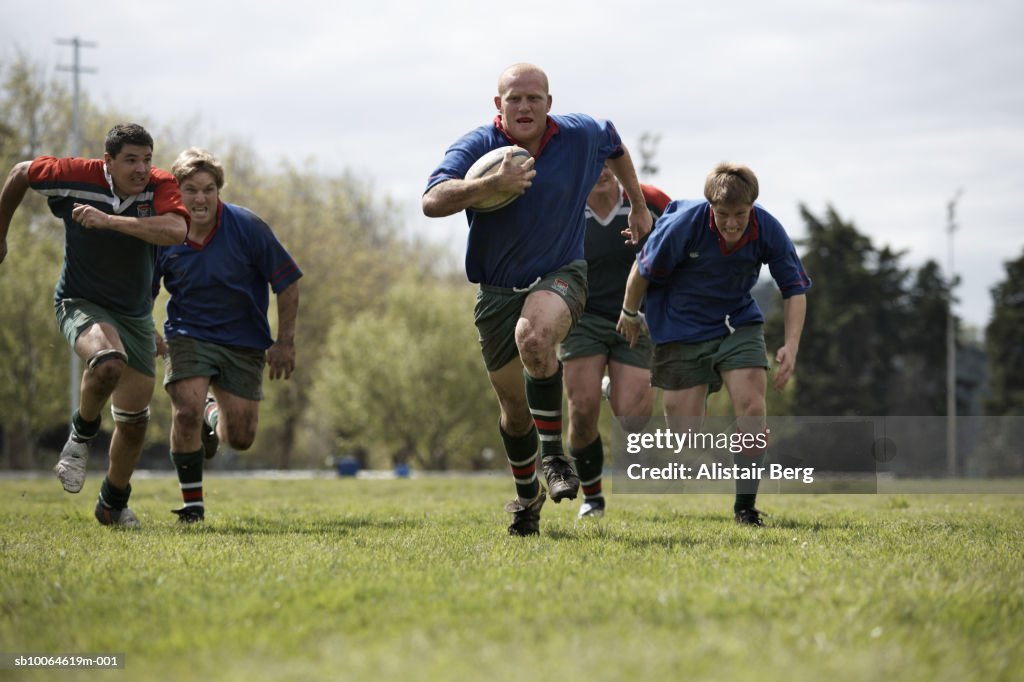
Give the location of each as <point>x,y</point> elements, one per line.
<point>104,267</point>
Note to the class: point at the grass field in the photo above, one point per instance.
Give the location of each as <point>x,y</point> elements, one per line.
<point>416,580</point>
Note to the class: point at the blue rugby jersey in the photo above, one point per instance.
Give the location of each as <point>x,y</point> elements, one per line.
<point>219,289</point>
<point>542,230</point>
<point>699,291</point>
<point>108,268</point>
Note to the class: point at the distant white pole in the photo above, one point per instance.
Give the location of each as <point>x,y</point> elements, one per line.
<point>74,375</point>
<point>951,455</point>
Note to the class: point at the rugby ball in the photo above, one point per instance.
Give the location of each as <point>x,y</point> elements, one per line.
<point>489,164</point>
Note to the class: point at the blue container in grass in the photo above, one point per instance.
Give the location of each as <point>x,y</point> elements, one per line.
<point>347,466</point>
<point>402,470</point>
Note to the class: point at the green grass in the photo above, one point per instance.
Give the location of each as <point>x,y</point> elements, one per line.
<point>416,580</point>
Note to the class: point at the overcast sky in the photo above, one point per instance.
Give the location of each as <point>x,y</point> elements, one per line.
<point>880,108</point>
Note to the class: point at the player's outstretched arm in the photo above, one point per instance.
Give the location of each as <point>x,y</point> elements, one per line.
<point>640,219</point>
<point>794,310</point>
<point>632,324</point>
<point>167,229</point>
<point>281,355</point>
<point>10,198</point>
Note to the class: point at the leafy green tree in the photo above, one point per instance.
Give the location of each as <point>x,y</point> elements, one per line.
<point>870,343</point>
<point>35,111</point>
<point>407,378</point>
<point>33,394</point>
<point>1005,339</point>
<point>919,387</point>
<point>841,352</point>
<point>344,239</point>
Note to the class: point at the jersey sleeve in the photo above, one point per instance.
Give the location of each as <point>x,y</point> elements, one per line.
<point>167,196</point>
<point>61,177</point>
<point>271,258</point>
<point>600,137</point>
<point>611,143</point>
<point>666,244</point>
<point>46,172</point>
<point>64,180</point>
<point>459,157</point>
<point>64,177</point>
<point>285,270</point>
<point>782,259</point>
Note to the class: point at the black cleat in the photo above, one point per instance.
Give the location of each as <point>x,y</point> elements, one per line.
<point>563,483</point>
<point>190,514</point>
<point>526,517</point>
<point>209,435</point>
<point>749,517</point>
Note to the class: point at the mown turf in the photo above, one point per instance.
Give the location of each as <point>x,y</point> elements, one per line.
<point>417,580</point>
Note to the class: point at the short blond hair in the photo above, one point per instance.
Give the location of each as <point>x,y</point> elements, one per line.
<point>731,184</point>
<point>194,160</point>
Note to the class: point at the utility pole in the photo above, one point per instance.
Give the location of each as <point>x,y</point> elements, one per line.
<point>76,69</point>
<point>951,463</point>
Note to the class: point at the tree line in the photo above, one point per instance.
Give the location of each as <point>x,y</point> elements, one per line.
<point>388,360</point>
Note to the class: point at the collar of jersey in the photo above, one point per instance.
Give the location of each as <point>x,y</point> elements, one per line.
<point>216,226</point>
<point>622,208</point>
<point>116,202</point>
<point>550,131</point>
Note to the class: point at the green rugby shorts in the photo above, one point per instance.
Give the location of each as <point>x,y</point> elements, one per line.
<point>137,334</point>
<point>498,309</point>
<point>679,365</point>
